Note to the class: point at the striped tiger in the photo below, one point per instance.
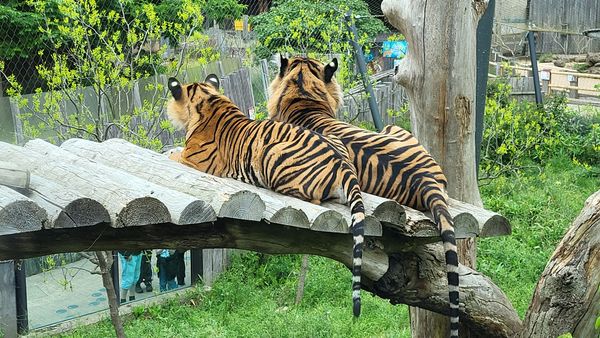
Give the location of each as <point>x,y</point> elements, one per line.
<point>222,141</point>
<point>390,164</point>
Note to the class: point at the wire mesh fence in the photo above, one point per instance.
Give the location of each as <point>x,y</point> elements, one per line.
<point>97,69</point>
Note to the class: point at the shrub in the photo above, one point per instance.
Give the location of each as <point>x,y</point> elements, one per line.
<point>520,134</point>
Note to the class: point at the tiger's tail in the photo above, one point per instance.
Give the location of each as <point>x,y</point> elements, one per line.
<point>358,232</point>
<point>439,209</point>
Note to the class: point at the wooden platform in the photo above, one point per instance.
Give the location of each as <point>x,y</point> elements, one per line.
<point>84,183</point>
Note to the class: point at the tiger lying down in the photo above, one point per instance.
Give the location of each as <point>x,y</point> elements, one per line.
<point>390,164</point>
<point>222,141</point>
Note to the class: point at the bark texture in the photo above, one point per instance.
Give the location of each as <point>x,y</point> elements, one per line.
<point>439,75</point>
<point>566,298</point>
<point>104,263</point>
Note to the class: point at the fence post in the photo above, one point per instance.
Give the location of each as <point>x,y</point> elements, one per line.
<point>362,67</point>
<point>15,112</point>
<point>264,66</point>
<point>21,297</point>
<point>546,76</point>
<point>534,67</point>
<point>196,265</point>
<point>8,310</point>
<point>573,82</point>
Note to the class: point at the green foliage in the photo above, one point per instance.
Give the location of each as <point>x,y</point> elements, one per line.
<point>93,80</point>
<point>401,117</point>
<point>255,298</point>
<point>220,10</point>
<point>540,205</point>
<point>546,57</point>
<point>581,67</point>
<point>22,37</point>
<point>311,26</point>
<point>520,134</point>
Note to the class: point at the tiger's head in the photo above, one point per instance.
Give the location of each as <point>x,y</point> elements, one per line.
<point>191,103</point>
<point>304,78</point>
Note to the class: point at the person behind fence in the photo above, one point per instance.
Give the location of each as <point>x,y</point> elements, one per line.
<point>145,273</point>
<point>167,269</point>
<point>180,259</point>
<point>130,271</point>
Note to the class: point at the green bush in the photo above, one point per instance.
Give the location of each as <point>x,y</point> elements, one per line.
<point>317,26</point>
<point>520,134</point>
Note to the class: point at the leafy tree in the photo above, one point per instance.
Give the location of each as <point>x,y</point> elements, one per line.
<point>220,10</point>
<point>92,81</point>
<point>317,26</point>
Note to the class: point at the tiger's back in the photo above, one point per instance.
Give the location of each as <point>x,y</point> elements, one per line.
<point>288,159</point>
<point>391,164</point>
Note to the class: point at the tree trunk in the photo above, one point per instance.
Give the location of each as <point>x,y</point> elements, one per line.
<point>105,262</point>
<point>302,279</point>
<point>567,298</point>
<point>439,74</point>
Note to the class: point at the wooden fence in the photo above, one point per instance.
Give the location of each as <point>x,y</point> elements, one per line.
<point>555,18</point>
<point>579,87</point>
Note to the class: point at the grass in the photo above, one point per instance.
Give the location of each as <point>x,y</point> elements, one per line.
<point>254,298</point>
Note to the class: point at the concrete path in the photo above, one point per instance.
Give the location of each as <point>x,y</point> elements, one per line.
<point>71,291</point>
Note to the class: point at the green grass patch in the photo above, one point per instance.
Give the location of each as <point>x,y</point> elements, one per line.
<point>540,206</point>
<point>255,298</point>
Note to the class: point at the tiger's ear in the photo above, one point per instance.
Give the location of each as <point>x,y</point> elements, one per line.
<point>212,80</point>
<point>330,69</point>
<point>283,63</point>
<point>175,88</point>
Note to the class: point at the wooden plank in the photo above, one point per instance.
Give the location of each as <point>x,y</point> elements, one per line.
<point>222,195</point>
<point>19,213</point>
<point>12,175</point>
<point>181,208</point>
<point>157,168</point>
<point>65,208</point>
<point>127,206</point>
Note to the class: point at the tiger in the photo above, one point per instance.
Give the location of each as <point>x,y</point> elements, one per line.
<point>390,164</point>
<point>291,160</point>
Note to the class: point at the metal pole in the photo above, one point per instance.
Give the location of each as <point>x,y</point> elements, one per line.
<point>534,68</point>
<point>484,42</point>
<point>362,68</point>
<point>21,297</point>
<point>196,265</point>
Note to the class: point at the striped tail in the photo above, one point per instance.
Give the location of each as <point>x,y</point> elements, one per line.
<point>441,216</point>
<point>358,232</point>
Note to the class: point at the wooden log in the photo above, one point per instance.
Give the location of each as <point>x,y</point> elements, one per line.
<point>156,168</point>
<point>13,176</point>
<point>126,206</point>
<point>394,267</point>
<point>18,213</point>
<point>181,208</point>
<point>566,298</point>
<point>490,224</point>
<point>65,208</point>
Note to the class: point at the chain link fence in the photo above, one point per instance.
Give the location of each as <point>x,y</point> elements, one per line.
<point>97,69</point>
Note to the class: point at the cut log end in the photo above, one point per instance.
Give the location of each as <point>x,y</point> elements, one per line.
<point>390,212</point>
<point>465,225</point>
<point>330,221</point>
<point>244,205</point>
<point>290,216</point>
<point>373,226</point>
<point>143,211</point>
<point>197,212</point>
<point>21,216</point>
<point>496,226</point>
<point>80,213</point>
